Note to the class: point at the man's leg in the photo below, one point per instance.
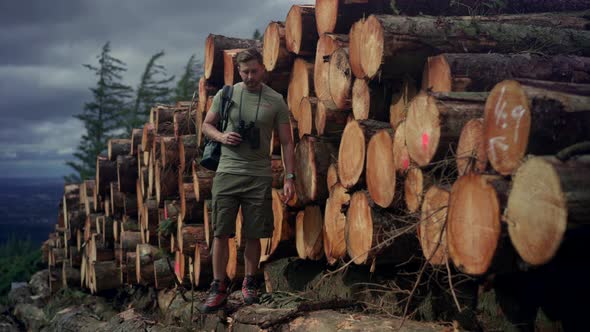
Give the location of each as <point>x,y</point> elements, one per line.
<point>252,256</point>
<point>220,256</point>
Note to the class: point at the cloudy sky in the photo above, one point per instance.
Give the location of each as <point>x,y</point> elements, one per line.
<point>44,44</point>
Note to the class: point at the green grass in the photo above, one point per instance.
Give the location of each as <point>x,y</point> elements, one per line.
<point>19,259</point>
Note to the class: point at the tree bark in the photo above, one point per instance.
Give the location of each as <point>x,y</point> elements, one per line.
<point>163,277</point>
<point>206,89</point>
<point>166,179</point>
<point>189,236</point>
<point>327,44</point>
<point>118,147</point>
<point>337,16</point>
<point>547,197</point>
<point>126,173</point>
<point>145,256</point>
<point>202,182</point>
<point>169,152</point>
<point>191,211</point>
<point>301,33</point>
<point>312,158</point>
<point>214,47</point>
<point>476,7</point>
<point>379,173</point>
<point>106,172</point>
<point>300,85</point>
<point>352,152</point>
<point>276,56</point>
<point>525,118</point>
<point>130,240</point>
<point>164,121</point>
<point>103,276</point>
<point>480,72</point>
<point>421,37</point>
<point>183,124</point>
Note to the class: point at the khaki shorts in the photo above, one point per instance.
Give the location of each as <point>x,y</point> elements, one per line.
<point>253,194</point>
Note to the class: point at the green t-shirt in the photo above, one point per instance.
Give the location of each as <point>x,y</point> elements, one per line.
<point>242,159</point>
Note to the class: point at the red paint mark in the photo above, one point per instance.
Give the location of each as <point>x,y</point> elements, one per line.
<point>177,267</point>
<point>406,163</point>
<point>425,139</point>
<point>165,213</point>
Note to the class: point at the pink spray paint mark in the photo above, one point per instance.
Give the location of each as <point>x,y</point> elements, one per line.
<point>425,139</point>
<point>177,267</point>
<point>406,163</point>
<point>165,213</point>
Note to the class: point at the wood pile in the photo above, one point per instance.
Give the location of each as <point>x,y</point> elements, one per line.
<point>428,136</point>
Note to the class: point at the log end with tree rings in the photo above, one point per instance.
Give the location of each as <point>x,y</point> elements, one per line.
<point>230,68</point>
<point>312,159</point>
<point>299,235</point>
<point>361,99</point>
<point>537,211</point>
<point>307,112</point>
<point>401,157</point>
<point>413,189</point>
<point>431,230</point>
<point>356,46</point>
<point>313,222</point>
<point>209,55</point>
<point>300,30</point>
<point>326,15</point>
<point>422,129</point>
<point>371,52</point>
<point>351,154</point>
<point>334,224</point>
<point>436,76</point>
<point>300,84</point>
<point>506,126</point>
<point>359,228</point>
<point>272,45</point>
<point>339,80</point>
<point>471,153</point>
<point>332,176</point>
<point>279,215</point>
<point>380,170</point>
<point>473,224</point>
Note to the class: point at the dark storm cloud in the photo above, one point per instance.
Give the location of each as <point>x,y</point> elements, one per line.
<point>44,44</point>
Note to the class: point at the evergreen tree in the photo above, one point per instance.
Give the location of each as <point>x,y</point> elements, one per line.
<point>257,35</point>
<point>188,82</point>
<point>153,89</point>
<point>102,116</point>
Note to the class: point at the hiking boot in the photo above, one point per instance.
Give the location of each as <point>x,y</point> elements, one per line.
<point>216,298</point>
<point>249,291</point>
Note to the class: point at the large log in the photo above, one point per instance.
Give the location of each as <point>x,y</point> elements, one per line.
<point>147,141</point>
<point>276,56</point>
<point>145,255</point>
<point>136,134</point>
<point>184,123</point>
<point>307,113</point>
<point>163,276</point>
<point>355,45</point>
<point>400,101</point>
<point>404,43</point>
<point>301,33</point>
<point>414,184</point>
<point>371,101</point>
<point>206,89</point>
<point>164,120</point>
<point>526,118</point>
<point>166,179</point>
<point>191,211</point>
<point>188,151</point>
<point>473,224</point>
<point>467,7</point>
<point>126,173</point>
<point>308,233</point>
<point>335,223</point>
<point>202,182</point>
<point>327,44</point>
<point>338,15</point>
<point>330,123</point>
<point>546,197</point>
<point>169,152</point>
<point>432,227</point>
<point>231,73</point>
<point>312,159</point>
<point>106,172</point>
<point>471,154</point>
<point>284,226</point>
<point>202,269</point>
<point>118,146</point>
<point>352,151</point>
<point>434,123</point>
<point>380,170</point>
<point>480,72</point>
<point>300,84</point>
<point>150,219</point>
<point>339,81</point>
<point>214,47</point>
<point>103,276</point>
<point>189,236</point>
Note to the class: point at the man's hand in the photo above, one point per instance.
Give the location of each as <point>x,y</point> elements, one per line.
<point>288,190</point>
<point>231,138</point>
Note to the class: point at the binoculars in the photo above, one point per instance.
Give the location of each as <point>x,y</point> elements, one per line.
<point>249,132</point>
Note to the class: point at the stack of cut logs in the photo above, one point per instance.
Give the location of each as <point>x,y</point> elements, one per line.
<point>414,135</point>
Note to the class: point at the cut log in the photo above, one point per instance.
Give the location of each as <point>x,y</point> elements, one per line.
<point>202,182</point>
<point>313,156</point>
<point>371,101</point>
<point>150,220</point>
<point>403,43</point>
<point>106,172</point>
<point>163,277</point>
<point>202,269</point>
<point>434,124</point>
<point>188,151</point>
<point>70,276</point>
<point>126,173</point>
<point>103,276</point>
<point>432,227</point>
<point>136,134</point>
<point>475,7</point>
<point>335,223</point>
<point>338,15</point>
<point>188,237</point>
<point>214,47</point>
<point>117,206</point>
<point>355,46</point>
<point>332,176</point>
<point>206,89</point>
<point>301,33</point>
<point>546,196</point>
<point>330,123</point>
<point>414,185</point>
<point>207,222</point>
<point>372,233</point>
<point>166,179</point>
<point>300,85</point>
<point>169,152</point>
<point>523,118</point>
<point>400,101</point>
<point>380,169</point>
<point>284,222</point>
<point>339,81</point>
<point>118,147</point>
<point>352,151</point>
<point>129,268</point>
<point>471,153</point>
<point>278,171</point>
<point>131,206</point>
<point>184,123</point>
<point>480,72</point>
<point>278,81</point>
<point>307,113</point>
<point>231,74</point>
<point>327,44</point>
<point>473,224</point>
<point>145,255</point>
<point>191,211</point>
<point>147,140</point>
<point>276,56</point>
<point>308,234</point>
<point>235,265</point>
<point>164,120</point>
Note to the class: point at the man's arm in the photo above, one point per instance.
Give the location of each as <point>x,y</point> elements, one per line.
<point>289,159</point>
<point>209,128</point>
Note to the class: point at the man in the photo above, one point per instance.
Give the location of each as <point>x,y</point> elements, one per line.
<point>243,176</point>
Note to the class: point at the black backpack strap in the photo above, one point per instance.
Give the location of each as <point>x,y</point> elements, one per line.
<point>226,97</point>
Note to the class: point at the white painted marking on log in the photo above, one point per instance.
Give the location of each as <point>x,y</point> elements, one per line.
<point>497,141</point>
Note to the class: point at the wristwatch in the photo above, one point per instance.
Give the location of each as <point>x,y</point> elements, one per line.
<point>290,176</point>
